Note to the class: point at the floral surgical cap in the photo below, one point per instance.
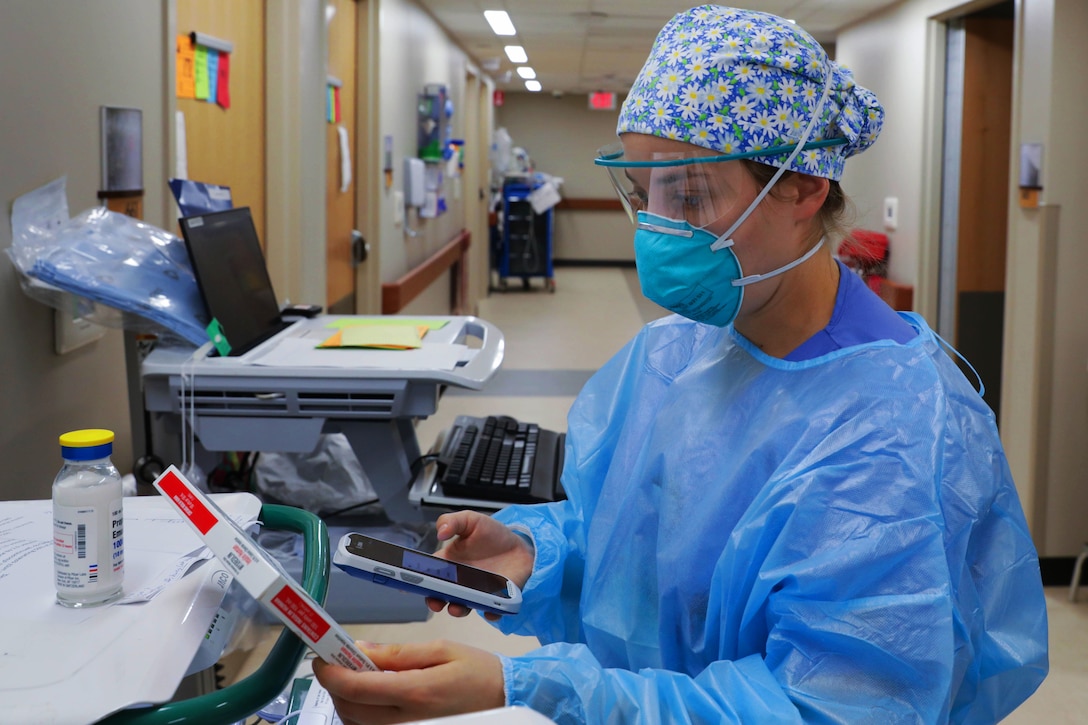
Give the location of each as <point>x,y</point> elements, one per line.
<point>735,81</point>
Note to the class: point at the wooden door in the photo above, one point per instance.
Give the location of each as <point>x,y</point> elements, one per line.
<point>984,192</point>
<point>227,145</point>
<point>340,199</point>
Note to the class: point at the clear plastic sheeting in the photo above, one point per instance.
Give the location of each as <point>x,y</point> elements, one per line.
<point>121,271</point>
<point>323,481</point>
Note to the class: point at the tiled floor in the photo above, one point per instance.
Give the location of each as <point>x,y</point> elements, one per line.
<point>553,342</point>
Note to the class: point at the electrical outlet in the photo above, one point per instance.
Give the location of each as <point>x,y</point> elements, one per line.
<point>70,331</point>
<point>891,213</point>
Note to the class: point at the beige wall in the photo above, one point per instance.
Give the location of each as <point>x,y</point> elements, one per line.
<point>562,136</point>
<point>1045,393</point>
<point>57,74</point>
<point>1060,514</point>
<point>414,52</point>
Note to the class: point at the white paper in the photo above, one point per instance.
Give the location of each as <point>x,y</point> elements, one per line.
<point>345,159</point>
<point>318,709</point>
<point>181,153</point>
<point>75,666</point>
<point>544,197</point>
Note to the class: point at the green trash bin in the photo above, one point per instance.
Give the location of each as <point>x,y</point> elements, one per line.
<point>243,698</point>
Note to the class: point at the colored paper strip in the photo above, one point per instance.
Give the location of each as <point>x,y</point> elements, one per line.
<point>213,74</point>
<point>222,86</point>
<point>186,70</point>
<point>201,67</point>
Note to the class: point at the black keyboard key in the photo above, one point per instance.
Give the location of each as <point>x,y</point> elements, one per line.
<point>547,466</point>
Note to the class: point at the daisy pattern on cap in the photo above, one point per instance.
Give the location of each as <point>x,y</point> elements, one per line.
<point>735,80</point>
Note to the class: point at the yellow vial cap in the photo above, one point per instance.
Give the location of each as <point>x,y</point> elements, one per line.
<point>86,438</point>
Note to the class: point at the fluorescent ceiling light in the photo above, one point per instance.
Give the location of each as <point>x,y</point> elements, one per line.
<point>533,85</point>
<point>526,72</point>
<point>500,22</point>
<point>516,54</point>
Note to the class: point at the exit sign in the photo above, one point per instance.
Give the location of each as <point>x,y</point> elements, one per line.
<point>602,101</point>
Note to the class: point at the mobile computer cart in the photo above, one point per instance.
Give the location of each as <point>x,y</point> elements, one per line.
<point>526,243</point>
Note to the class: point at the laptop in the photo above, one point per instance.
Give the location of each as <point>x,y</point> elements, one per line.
<point>231,273</point>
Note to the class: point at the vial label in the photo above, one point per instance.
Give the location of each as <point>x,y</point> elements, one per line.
<point>88,547</point>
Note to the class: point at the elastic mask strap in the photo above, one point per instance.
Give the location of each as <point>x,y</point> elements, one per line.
<point>760,277</point>
<point>726,240</point>
<point>981,387</point>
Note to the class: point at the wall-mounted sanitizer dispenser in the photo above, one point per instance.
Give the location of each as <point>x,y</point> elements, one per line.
<point>415,172</point>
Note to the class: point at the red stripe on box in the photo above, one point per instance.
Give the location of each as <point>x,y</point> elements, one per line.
<point>299,611</point>
<point>201,516</point>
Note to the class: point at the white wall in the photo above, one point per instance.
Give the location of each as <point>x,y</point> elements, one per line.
<point>887,55</point>
<point>59,68</point>
<point>1045,393</point>
<point>415,51</point>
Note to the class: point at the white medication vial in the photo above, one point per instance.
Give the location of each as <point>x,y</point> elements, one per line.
<point>88,526</point>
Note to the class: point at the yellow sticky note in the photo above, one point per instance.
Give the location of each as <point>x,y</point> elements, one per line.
<point>201,69</point>
<point>387,337</point>
<point>343,322</point>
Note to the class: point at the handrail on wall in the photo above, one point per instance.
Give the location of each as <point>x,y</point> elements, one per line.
<point>396,295</point>
<point>578,204</point>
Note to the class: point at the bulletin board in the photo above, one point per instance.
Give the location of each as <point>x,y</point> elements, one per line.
<point>226,146</point>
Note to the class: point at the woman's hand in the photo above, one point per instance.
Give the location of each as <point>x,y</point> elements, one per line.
<point>419,681</point>
<point>483,542</point>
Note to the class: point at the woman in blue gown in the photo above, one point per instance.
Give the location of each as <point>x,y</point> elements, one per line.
<point>786,503</point>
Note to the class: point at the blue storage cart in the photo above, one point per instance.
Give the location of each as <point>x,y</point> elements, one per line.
<point>525,248</point>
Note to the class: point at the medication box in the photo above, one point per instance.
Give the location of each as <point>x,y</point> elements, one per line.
<point>260,575</point>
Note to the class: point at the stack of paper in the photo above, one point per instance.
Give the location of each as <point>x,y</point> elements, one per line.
<point>382,333</point>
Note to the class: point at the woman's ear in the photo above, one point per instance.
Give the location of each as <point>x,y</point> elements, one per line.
<point>805,194</point>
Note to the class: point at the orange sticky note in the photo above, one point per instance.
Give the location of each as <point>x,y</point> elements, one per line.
<point>333,340</point>
<point>186,67</point>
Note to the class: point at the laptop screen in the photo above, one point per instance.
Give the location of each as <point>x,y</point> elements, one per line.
<point>230,270</point>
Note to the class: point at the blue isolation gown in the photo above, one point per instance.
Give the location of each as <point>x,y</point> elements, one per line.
<point>753,540</point>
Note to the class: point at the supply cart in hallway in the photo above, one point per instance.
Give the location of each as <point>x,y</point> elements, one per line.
<point>525,243</point>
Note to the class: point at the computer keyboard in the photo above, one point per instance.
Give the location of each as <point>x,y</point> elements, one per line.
<point>498,458</point>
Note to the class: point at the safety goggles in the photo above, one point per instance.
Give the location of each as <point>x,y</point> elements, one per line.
<point>695,187</point>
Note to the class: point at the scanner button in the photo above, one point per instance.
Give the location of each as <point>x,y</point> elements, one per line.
<point>411,578</point>
<point>386,572</point>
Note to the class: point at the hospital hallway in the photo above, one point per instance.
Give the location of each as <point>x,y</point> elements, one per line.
<point>554,342</point>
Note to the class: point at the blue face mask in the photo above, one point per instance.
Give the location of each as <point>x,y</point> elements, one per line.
<point>692,272</point>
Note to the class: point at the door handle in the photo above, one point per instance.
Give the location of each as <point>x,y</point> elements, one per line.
<point>360,248</point>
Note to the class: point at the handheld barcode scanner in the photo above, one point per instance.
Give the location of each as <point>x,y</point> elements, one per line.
<point>420,573</point>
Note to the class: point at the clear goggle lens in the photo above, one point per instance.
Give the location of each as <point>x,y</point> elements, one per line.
<point>698,189</point>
